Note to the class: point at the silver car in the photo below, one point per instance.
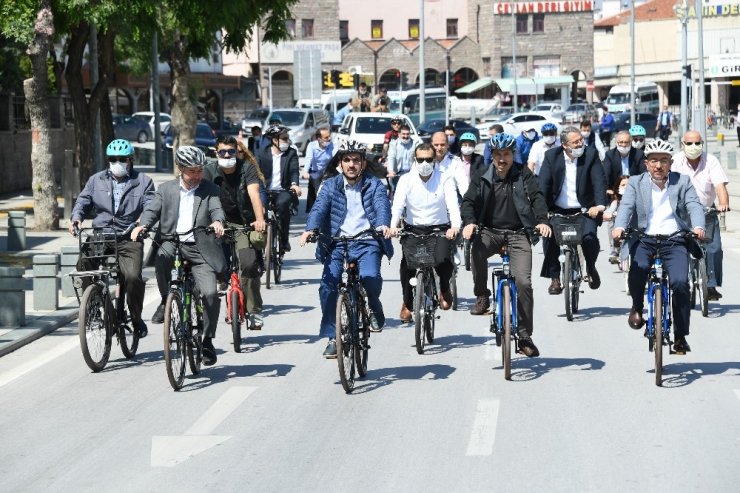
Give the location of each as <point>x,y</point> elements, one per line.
<point>302,122</point>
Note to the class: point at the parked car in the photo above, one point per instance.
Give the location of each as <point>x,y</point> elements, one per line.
<point>519,122</point>
<point>255,118</point>
<point>303,123</point>
<point>148,116</point>
<point>647,120</point>
<point>370,129</point>
<point>204,136</point>
<point>427,128</point>
<point>549,109</point>
<point>495,115</point>
<point>578,111</point>
<point>130,128</point>
<point>435,105</point>
<point>227,127</point>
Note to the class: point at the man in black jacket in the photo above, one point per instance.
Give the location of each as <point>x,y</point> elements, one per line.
<point>505,197</point>
<point>622,160</point>
<point>572,179</point>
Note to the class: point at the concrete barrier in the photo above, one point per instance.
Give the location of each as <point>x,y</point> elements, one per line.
<point>45,282</point>
<point>70,254</point>
<point>16,231</point>
<point>12,297</point>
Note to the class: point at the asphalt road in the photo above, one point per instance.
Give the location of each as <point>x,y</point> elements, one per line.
<point>585,416</point>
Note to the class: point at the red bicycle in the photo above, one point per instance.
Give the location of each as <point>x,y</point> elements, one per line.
<point>236,308</point>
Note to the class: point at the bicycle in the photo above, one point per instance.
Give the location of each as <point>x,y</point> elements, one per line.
<point>698,277</point>
<point>102,314</point>
<point>236,308</point>
<point>568,229</point>
<point>352,314</point>
<point>274,252</point>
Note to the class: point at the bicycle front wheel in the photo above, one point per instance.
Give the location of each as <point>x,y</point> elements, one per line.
<point>453,289</point>
<point>419,315</point>
<point>236,325</point>
<point>174,341</point>
<point>658,321</point>
<point>95,333</point>
<point>363,336</point>
<point>345,346</point>
<point>506,336</point>
<point>703,289</point>
<point>693,280</point>
<point>129,340</point>
<point>575,291</point>
<point>268,254</point>
<point>568,284</point>
<point>430,319</point>
<point>277,255</point>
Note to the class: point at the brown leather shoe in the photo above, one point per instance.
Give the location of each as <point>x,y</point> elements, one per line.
<point>445,300</point>
<point>527,347</point>
<point>406,314</point>
<point>481,306</point>
<point>555,287</point>
<point>635,319</point>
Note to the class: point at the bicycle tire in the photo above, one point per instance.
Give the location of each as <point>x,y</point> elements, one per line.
<point>703,289</point>
<point>95,333</point>
<point>658,320</point>
<point>567,275</point>
<point>277,255</point>
<point>345,350</point>
<point>268,255</point>
<point>575,291</point>
<point>419,312</point>
<point>174,341</point>
<point>453,289</point>
<point>506,336</point>
<point>466,250</point>
<point>236,324</point>
<point>128,337</point>
<point>692,279</point>
<point>195,348</point>
<point>363,335</point>
<point>430,318</point>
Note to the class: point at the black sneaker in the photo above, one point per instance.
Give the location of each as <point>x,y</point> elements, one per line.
<point>374,324</point>
<point>141,328</point>
<point>209,352</point>
<point>331,350</point>
<point>527,347</point>
<point>594,278</point>
<point>158,316</point>
<point>713,294</point>
<point>681,346</point>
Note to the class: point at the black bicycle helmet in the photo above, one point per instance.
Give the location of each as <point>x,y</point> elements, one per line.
<point>275,130</point>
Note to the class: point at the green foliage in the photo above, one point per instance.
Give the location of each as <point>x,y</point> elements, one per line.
<point>14,65</point>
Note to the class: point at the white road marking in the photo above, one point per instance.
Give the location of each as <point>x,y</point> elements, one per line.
<point>737,393</point>
<point>484,428</point>
<point>492,351</point>
<point>39,361</point>
<point>220,410</point>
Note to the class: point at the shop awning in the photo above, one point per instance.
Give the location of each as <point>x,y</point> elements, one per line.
<point>524,87</point>
<point>564,80</point>
<point>475,86</point>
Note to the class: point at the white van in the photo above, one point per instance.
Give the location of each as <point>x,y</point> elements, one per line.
<point>326,102</point>
<point>646,98</point>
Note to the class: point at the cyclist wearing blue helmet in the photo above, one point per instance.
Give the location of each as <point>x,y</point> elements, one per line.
<point>472,161</point>
<point>638,134</point>
<point>524,144</point>
<point>116,197</point>
<point>505,196</point>
<point>537,153</point>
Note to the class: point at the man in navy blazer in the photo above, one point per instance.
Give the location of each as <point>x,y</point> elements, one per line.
<point>661,202</point>
<point>572,179</point>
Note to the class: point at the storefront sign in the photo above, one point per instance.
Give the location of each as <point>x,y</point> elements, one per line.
<point>331,51</point>
<point>543,7</point>
<point>712,10</point>
<point>724,65</point>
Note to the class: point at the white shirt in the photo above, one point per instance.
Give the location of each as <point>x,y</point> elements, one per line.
<point>705,177</point>
<point>275,182</point>
<point>185,214</point>
<point>356,220</point>
<point>661,220</point>
<point>537,153</point>
<point>427,203</point>
<point>454,167</point>
<point>568,198</point>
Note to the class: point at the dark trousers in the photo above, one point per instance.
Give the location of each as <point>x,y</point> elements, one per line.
<point>664,132</point>
<point>205,280</point>
<point>551,263</point>
<point>313,190</point>
<point>676,263</point>
<point>130,255</point>
<point>282,204</point>
<point>606,138</point>
<point>443,270</point>
<point>488,244</point>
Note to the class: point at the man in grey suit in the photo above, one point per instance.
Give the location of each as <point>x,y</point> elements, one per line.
<point>661,202</point>
<point>180,205</point>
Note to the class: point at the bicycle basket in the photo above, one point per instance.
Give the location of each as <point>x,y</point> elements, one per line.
<point>568,230</point>
<point>427,251</point>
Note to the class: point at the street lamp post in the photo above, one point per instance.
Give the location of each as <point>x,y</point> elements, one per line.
<point>702,90</point>
<point>684,62</point>
<point>515,105</point>
<point>422,74</point>
<point>632,62</point>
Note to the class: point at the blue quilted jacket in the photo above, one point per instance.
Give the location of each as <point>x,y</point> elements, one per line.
<point>330,209</point>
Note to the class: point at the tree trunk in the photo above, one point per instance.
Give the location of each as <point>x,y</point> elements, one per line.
<point>183,110</point>
<point>36,89</point>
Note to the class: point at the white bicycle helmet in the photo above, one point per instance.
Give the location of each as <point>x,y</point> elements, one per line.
<point>190,157</point>
<point>658,146</point>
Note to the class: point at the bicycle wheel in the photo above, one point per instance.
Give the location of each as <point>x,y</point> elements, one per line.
<point>277,255</point>
<point>419,309</point>
<point>693,281</point>
<point>363,336</point>
<point>268,255</point>
<point>453,288</point>
<point>703,289</point>
<point>236,325</point>
<point>506,336</point>
<point>174,341</point>
<point>658,334</point>
<point>129,340</point>
<point>567,286</point>
<point>345,349</point>
<point>95,335</point>
<point>575,291</point>
<point>430,317</point>
<point>195,347</point>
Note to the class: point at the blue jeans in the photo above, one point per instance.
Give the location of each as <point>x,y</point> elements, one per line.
<point>714,258</point>
<point>368,255</point>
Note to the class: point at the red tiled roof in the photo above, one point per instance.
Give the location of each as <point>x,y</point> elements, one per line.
<point>654,10</point>
<point>374,45</point>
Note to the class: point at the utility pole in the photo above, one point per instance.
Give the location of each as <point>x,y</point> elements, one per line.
<point>684,71</point>
<point>422,74</point>
<point>515,106</point>
<point>155,103</point>
<point>702,90</point>
<point>632,63</point>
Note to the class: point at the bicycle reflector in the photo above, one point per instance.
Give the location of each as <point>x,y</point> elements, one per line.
<point>413,281</point>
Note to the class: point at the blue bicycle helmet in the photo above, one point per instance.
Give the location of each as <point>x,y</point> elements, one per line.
<point>503,141</point>
<point>549,127</point>
<point>637,131</point>
<point>468,136</point>
<point>119,147</point>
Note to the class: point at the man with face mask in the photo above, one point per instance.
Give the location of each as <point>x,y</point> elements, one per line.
<point>241,202</point>
<point>118,196</point>
<point>279,165</point>
<point>318,154</point>
<point>453,145</point>
<point>429,200</point>
<point>348,204</point>
<point>571,179</point>
<point>472,161</point>
<point>400,155</point>
<point>537,153</point>
<point>710,182</point>
<point>591,139</point>
<point>448,163</point>
<point>524,144</point>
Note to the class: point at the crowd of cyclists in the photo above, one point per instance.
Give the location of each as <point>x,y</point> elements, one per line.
<point>515,186</point>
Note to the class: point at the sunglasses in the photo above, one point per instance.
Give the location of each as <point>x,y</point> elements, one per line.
<point>424,160</point>
<point>226,152</point>
<point>117,159</point>
<point>635,139</point>
<point>692,143</point>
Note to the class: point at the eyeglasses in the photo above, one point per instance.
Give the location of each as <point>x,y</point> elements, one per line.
<point>548,134</point>
<point>226,152</point>
<point>693,143</point>
<point>351,159</point>
<point>578,142</point>
<point>424,160</point>
<point>395,123</point>
<point>663,161</point>
<point>117,159</point>
<point>638,139</point>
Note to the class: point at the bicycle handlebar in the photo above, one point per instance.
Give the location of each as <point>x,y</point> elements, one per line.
<point>146,233</point>
<point>359,236</point>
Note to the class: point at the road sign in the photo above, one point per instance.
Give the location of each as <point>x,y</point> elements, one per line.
<point>590,85</point>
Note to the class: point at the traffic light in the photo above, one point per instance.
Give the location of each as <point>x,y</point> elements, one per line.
<point>687,71</point>
<point>345,79</point>
<point>327,80</point>
<point>266,72</point>
<point>356,81</point>
<point>335,77</point>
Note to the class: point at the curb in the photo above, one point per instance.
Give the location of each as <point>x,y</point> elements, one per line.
<point>39,326</point>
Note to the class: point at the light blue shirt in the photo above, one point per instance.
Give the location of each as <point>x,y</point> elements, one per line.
<point>318,158</point>
<point>339,117</point>
<point>356,219</point>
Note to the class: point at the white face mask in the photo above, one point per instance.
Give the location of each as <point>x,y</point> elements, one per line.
<point>450,139</point>
<point>622,190</point>
<point>467,150</point>
<point>404,141</point>
<point>624,150</point>
<point>549,139</point>
<point>227,162</point>
<point>638,144</point>
<point>118,169</point>
<point>283,146</point>
<point>323,143</point>
<point>423,168</point>
<point>531,135</point>
<point>586,135</point>
<point>693,152</point>
<point>578,151</point>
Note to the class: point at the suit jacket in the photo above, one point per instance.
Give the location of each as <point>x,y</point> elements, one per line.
<point>637,201</point>
<point>590,178</point>
<point>613,165</point>
<point>165,208</point>
<point>289,168</point>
